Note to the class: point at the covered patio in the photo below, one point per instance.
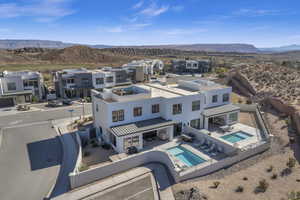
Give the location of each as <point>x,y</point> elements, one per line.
<point>220,116</point>
<point>141,134</point>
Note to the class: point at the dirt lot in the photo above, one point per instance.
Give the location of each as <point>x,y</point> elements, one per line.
<point>255,169</point>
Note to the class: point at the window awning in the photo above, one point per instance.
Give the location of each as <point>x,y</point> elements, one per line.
<point>210,112</point>
<point>140,126</point>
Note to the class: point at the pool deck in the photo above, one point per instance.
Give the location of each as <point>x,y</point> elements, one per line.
<point>255,133</point>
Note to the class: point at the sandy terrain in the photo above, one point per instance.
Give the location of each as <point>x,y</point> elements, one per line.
<point>255,169</point>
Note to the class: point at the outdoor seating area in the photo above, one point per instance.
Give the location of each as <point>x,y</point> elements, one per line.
<point>209,148</point>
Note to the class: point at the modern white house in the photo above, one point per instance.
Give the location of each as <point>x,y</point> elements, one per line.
<point>133,115</point>
<point>20,87</point>
<point>141,70</point>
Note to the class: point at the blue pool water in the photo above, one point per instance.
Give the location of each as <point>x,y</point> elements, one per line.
<point>184,155</point>
<point>236,137</point>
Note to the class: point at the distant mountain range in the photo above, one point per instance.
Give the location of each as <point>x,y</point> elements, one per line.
<point>240,48</point>
<point>293,47</point>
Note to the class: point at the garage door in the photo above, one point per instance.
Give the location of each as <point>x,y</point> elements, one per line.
<point>7,102</point>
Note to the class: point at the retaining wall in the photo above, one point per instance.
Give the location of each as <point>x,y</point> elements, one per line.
<point>79,158</point>
<point>91,175</point>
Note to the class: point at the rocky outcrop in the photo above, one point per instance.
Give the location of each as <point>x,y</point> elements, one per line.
<point>285,109</point>
<point>241,84</point>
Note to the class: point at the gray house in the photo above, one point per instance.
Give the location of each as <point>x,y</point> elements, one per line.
<point>77,83</point>
<point>191,66</point>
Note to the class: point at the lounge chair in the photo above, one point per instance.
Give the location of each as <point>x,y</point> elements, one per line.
<point>210,148</point>
<point>206,145</point>
<point>199,143</point>
<point>214,152</point>
<point>220,149</point>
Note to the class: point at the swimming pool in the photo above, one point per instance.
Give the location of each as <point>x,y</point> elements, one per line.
<point>236,137</point>
<point>188,158</point>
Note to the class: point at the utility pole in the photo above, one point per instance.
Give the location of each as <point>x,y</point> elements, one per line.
<point>82,110</point>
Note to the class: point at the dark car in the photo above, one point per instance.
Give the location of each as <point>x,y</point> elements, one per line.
<point>67,102</point>
<point>131,150</point>
<point>54,103</point>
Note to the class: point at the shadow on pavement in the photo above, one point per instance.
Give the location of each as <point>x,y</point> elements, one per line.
<point>45,153</point>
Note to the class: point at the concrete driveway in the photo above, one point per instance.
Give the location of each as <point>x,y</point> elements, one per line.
<point>30,158</point>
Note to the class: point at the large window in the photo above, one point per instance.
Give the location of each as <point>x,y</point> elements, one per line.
<point>109,79</point>
<point>131,141</point>
<point>215,98</point>
<point>233,117</point>
<point>195,123</point>
<point>225,97</point>
<point>118,115</point>
<point>11,86</point>
<point>70,81</point>
<point>195,105</point>
<point>155,108</point>
<point>177,109</point>
<point>137,111</point>
<point>99,81</point>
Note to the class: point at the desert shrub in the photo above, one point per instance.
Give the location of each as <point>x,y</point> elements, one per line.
<point>95,145</point>
<point>239,189</point>
<point>274,176</point>
<point>286,172</point>
<point>216,184</point>
<point>83,167</point>
<point>291,163</point>
<point>262,186</point>
<point>270,168</point>
<point>86,154</point>
<point>294,195</point>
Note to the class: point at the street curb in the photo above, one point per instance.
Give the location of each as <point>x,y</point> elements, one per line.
<point>1,135</point>
<point>58,132</point>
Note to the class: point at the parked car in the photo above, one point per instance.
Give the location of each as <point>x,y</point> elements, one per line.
<point>54,103</point>
<point>67,102</point>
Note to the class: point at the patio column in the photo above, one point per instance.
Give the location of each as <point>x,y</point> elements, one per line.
<point>171,132</point>
<point>206,123</point>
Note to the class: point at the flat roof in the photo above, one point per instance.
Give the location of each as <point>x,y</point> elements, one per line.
<point>220,110</point>
<point>140,126</point>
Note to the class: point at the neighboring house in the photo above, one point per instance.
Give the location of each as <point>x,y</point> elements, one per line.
<point>191,66</point>
<point>142,70</point>
<point>129,116</point>
<point>20,87</point>
<point>77,83</point>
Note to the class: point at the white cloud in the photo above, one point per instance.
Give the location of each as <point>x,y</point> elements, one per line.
<point>124,28</point>
<point>138,5</point>
<point>41,10</point>
<point>154,10</point>
<point>255,12</point>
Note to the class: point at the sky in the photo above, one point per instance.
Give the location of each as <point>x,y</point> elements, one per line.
<point>263,23</point>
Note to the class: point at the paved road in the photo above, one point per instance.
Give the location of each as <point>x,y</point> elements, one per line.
<point>30,158</point>
<point>39,116</point>
<point>31,153</point>
<point>140,189</point>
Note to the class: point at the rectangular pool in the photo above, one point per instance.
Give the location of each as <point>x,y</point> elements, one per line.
<point>188,158</point>
<point>236,137</point>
